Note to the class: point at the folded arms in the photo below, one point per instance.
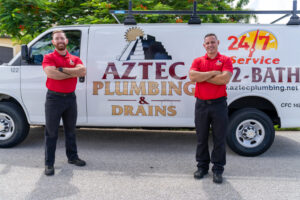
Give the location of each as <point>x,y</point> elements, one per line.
<point>214,77</point>
<point>53,72</point>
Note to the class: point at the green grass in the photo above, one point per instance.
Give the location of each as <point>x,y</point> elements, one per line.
<point>286,129</point>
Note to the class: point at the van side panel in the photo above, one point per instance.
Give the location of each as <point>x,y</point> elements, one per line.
<point>138,76</point>
<point>10,82</point>
<point>139,79</point>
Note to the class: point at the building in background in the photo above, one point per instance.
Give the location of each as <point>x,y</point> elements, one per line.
<point>7,49</point>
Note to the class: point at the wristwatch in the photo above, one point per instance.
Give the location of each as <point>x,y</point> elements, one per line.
<point>60,69</point>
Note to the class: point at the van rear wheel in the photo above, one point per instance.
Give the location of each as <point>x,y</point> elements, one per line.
<point>13,124</point>
<point>251,132</point>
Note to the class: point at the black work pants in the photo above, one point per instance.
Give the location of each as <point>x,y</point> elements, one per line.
<point>212,113</point>
<point>56,108</point>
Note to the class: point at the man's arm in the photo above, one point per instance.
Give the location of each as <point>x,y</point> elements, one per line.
<point>78,71</point>
<point>221,79</point>
<point>53,73</point>
<point>196,76</point>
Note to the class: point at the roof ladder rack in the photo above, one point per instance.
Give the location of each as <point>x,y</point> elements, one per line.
<point>195,19</point>
<point>129,20</point>
<point>294,20</point>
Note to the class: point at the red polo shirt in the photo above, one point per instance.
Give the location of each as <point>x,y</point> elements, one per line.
<point>205,90</point>
<point>57,60</point>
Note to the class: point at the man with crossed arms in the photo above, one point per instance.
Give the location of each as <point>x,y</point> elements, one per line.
<point>211,73</point>
<point>62,70</point>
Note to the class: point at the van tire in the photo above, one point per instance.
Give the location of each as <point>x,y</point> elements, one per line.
<point>250,132</point>
<point>14,127</point>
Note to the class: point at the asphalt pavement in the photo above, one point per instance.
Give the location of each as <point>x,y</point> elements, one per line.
<point>144,164</point>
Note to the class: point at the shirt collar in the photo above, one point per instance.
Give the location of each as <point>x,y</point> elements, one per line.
<point>217,57</point>
<point>66,56</point>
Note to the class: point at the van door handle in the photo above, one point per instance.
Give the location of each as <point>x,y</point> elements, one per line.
<point>81,79</point>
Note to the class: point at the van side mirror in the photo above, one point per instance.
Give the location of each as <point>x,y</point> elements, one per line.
<point>24,52</point>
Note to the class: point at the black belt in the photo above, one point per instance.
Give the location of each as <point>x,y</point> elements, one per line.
<point>212,101</point>
<point>61,93</point>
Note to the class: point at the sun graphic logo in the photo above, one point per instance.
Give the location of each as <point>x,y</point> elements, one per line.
<point>132,34</point>
<point>142,47</point>
<point>254,40</point>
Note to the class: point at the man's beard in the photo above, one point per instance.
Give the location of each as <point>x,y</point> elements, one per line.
<point>61,47</point>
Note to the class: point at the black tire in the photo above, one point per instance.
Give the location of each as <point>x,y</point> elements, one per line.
<point>251,132</point>
<point>14,127</point>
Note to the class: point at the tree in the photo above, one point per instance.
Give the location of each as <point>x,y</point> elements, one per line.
<point>66,12</point>
<point>25,19</point>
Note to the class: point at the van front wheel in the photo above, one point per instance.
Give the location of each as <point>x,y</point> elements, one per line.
<point>251,132</point>
<point>13,124</point>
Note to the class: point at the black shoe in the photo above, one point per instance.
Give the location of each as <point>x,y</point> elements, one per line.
<point>217,178</point>
<point>49,170</point>
<point>200,173</point>
<point>77,162</point>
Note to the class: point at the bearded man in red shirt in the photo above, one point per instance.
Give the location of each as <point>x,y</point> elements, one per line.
<point>62,70</point>
<point>211,73</point>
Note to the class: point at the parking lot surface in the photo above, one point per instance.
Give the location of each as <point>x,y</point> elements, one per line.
<point>146,164</point>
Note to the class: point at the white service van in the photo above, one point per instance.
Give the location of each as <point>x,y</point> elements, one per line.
<point>137,76</point>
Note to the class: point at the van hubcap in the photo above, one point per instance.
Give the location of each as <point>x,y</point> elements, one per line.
<point>7,126</point>
<point>250,133</point>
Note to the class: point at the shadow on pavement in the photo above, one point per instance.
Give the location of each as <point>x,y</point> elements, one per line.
<point>49,185</point>
<point>136,153</point>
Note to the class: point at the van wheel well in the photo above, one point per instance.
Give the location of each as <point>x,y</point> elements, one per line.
<point>6,98</point>
<point>256,102</point>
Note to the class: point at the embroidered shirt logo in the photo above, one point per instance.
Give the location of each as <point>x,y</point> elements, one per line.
<point>218,63</point>
<point>71,62</point>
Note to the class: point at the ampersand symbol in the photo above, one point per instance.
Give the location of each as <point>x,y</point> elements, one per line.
<point>143,101</point>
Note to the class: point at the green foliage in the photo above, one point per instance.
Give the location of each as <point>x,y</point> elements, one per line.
<point>25,19</point>
<point>66,12</point>
<point>241,18</point>
<point>97,12</point>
